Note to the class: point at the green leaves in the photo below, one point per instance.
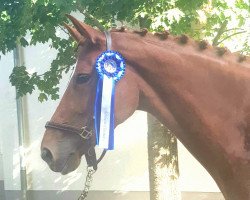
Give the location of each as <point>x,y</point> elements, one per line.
<point>46,83</point>
<point>42,97</point>
<point>22,80</point>
<point>41,19</point>
<point>218,20</point>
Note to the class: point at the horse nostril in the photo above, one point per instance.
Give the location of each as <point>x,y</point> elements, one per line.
<point>46,155</point>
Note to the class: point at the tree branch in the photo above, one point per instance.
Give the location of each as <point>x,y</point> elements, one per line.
<point>219,42</point>
<point>219,33</point>
<point>234,29</point>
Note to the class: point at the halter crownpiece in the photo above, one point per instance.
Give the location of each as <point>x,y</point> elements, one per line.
<point>110,66</point>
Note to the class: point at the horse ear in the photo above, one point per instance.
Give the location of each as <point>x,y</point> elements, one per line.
<point>74,33</point>
<point>85,30</point>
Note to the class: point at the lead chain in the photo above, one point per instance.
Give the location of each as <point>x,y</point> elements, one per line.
<point>87,185</point>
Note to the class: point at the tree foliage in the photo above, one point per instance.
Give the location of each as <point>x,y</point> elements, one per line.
<point>216,20</point>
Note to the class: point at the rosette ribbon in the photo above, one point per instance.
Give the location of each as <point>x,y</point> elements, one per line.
<point>110,66</point>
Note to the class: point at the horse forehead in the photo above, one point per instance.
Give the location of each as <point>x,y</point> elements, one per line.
<point>87,51</point>
<point>86,59</point>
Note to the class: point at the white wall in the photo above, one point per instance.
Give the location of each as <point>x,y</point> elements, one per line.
<point>8,125</point>
<point>124,169</point>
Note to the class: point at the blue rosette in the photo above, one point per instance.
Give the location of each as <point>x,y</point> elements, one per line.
<point>110,66</point>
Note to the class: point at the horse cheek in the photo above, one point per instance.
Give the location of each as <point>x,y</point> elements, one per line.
<point>126,101</point>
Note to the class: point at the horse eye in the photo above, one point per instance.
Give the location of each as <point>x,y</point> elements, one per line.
<point>82,78</point>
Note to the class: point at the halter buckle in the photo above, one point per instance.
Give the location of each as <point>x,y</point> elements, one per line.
<point>83,135</point>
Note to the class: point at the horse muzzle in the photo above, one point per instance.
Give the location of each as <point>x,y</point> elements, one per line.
<point>62,147</point>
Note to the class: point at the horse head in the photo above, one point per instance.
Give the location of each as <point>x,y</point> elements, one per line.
<point>61,147</point>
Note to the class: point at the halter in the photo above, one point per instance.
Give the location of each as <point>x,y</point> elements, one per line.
<point>87,135</point>
<point>84,132</point>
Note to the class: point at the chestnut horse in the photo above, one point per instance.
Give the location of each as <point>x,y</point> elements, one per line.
<point>199,92</point>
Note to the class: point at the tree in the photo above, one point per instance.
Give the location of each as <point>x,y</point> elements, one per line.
<point>218,21</point>
<point>211,19</point>
<point>163,162</point>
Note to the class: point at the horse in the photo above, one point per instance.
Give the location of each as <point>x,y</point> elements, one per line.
<point>200,92</point>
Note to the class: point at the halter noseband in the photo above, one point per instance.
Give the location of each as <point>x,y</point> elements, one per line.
<point>84,132</point>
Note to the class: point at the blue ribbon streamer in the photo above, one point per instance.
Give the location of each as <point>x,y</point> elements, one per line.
<point>110,66</point>
<point>98,112</point>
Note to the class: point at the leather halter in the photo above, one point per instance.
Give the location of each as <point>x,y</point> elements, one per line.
<point>83,132</point>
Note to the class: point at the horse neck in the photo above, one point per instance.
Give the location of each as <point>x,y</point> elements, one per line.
<point>204,99</point>
<point>186,88</point>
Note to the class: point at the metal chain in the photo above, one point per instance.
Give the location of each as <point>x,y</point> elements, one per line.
<point>87,185</point>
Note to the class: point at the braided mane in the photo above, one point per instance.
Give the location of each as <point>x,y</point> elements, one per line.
<point>184,40</point>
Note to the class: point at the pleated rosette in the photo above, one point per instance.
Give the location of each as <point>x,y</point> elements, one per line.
<point>110,66</point>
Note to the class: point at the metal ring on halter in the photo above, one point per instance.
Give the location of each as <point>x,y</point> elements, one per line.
<point>91,151</point>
